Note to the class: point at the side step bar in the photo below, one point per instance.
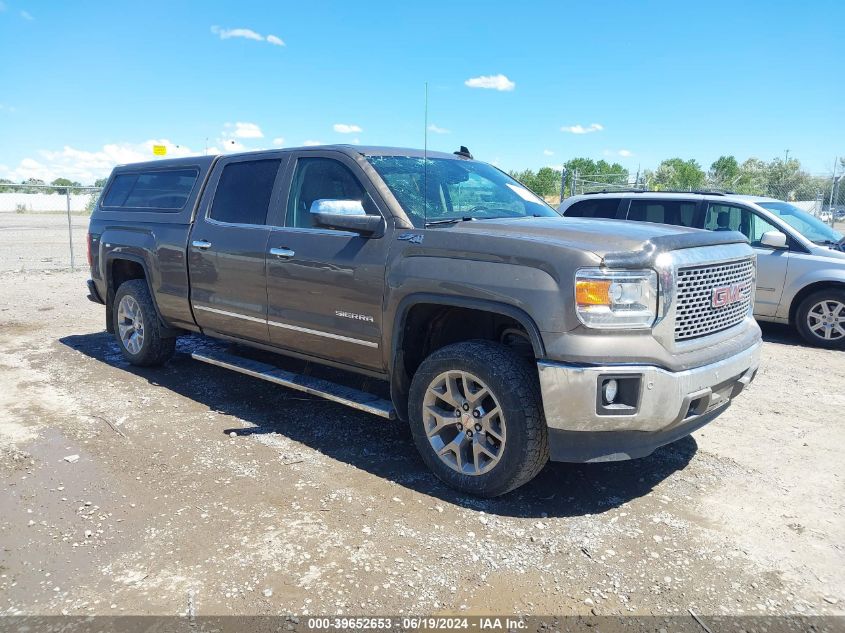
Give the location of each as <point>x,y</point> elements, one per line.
<point>315,386</point>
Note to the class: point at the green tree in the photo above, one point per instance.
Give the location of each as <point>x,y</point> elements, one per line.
<point>594,175</point>
<point>724,173</point>
<point>61,185</point>
<point>100,182</point>
<point>4,181</point>
<point>677,174</point>
<point>547,182</point>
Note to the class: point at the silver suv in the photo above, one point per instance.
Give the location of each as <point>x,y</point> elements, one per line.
<point>800,260</point>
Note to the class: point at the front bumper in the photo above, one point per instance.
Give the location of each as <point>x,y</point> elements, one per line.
<point>668,405</point>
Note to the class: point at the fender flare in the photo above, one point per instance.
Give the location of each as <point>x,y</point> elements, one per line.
<point>400,381</point>
<point>110,258</point>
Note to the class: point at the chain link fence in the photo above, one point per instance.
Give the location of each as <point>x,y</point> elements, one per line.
<point>44,227</point>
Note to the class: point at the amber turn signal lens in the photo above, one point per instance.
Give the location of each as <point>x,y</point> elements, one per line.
<point>592,292</point>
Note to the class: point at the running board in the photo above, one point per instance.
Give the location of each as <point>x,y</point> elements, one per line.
<point>315,386</point>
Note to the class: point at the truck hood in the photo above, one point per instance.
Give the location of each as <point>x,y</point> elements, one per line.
<point>618,242</point>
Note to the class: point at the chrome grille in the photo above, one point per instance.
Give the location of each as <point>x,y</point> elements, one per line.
<point>695,315</point>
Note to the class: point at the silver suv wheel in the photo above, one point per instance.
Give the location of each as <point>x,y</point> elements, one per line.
<point>464,423</point>
<point>826,320</point>
<point>130,324</point>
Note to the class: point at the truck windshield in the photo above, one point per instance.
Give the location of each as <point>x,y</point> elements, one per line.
<point>450,190</point>
<point>810,227</point>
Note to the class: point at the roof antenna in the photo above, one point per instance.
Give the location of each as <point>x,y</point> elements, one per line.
<point>425,158</point>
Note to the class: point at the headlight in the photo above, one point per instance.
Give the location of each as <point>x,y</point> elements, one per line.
<point>616,298</point>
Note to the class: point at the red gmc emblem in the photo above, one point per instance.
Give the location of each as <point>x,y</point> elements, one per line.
<point>726,295</point>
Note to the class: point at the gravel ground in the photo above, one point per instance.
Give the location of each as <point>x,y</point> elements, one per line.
<point>39,241</point>
<point>192,489</point>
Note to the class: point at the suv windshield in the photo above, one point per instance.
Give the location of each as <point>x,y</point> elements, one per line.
<point>810,227</point>
<point>450,190</point>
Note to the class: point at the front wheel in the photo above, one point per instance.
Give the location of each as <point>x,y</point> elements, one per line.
<point>820,319</point>
<point>477,419</point>
<point>137,328</point>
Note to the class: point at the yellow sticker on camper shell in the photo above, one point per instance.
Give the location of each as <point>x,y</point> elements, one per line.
<point>160,150</point>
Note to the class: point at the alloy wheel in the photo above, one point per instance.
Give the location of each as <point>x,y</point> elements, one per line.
<point>130,324</point>
<point>826,320</point>
<point>464,423</point>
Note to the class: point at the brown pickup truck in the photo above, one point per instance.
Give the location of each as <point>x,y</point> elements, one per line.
<point>502,333</point>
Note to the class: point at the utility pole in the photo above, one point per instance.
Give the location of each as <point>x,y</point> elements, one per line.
<point>786,158</point>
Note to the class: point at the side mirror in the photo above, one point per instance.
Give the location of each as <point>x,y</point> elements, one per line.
<point>346,215</point>
<point>773,239</point>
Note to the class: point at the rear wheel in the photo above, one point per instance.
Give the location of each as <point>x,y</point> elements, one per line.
<point>820,319</point>
<point>137,328</point>
<point>476,418</point>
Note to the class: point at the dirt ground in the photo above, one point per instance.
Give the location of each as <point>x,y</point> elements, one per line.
<point>196,490</point>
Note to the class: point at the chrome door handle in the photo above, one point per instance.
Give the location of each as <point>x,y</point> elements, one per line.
<point>201,244</point>
<point>285,253</point>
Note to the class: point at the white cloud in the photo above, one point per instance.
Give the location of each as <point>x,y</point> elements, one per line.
<point>278,141</point>
<point>242,129</point>
<point>310,143</point>
<point>556,167</point>
<point>580,129</point>
<point>438,130</point>
<point>345,128</point>
<point>249,34</point>
<point>26,15</point>
<point>491,82</point>
<point>86,166</point>
<point>548,152</point>
<point>231,145</point>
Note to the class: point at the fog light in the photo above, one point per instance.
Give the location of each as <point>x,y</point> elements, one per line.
<point>609,390</point>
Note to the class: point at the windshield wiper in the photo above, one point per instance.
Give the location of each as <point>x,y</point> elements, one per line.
<point>448,221</point>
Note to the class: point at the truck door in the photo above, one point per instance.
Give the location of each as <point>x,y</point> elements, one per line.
<point>228,244</point>
<point>325,287</point>
<point>772,264</point>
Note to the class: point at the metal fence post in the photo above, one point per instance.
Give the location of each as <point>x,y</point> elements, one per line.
<point>562,183</point>
<point>70,230</point>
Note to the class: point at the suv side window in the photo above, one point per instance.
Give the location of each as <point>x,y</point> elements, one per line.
<point>677,212</point>
<point>595,208</point>
<point>321,179</point>
<point>244,191</point>
<point>726,217</point>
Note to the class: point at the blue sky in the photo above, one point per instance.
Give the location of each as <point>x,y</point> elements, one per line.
<point>86,84</point>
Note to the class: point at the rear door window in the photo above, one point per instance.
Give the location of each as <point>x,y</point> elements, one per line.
<point>595,208</point>
<point>244,191</point>
<point>160,189</point>
<point>675,212</point>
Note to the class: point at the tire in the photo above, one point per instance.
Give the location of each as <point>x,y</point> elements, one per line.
<point>820,318</point>
<point>511,447</point>
<point>133,307</point>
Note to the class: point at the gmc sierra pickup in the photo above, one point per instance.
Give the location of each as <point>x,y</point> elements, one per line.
<point>503,333</point>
